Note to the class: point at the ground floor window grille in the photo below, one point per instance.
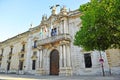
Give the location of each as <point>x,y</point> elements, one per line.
<point>21,65</point>
<point>88,61</point>
<point>33,64</point>
<point>8,66</point>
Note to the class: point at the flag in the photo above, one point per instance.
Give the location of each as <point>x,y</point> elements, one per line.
<point>45,29</point>
<point>41,32</point>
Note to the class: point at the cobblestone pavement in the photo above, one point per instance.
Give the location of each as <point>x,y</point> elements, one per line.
<point>37,77</point>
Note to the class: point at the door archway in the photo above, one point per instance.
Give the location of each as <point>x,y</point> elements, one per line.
<point>54,62</point>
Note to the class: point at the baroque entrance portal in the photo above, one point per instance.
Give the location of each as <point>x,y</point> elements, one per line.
<point>54,62</point>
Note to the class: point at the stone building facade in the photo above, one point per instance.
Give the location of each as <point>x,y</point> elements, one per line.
<point>48,49</point>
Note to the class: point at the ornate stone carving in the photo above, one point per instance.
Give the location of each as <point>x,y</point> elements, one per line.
<point>40,47</point>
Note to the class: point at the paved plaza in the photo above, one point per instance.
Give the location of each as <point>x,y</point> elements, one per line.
<point>37,77</point>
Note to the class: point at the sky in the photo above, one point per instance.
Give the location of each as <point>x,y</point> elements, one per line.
<point>17,15</point>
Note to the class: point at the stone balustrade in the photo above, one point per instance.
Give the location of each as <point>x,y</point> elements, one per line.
<point>54,39</point>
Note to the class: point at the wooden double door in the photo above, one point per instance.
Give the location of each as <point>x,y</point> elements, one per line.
<point>54,62</point>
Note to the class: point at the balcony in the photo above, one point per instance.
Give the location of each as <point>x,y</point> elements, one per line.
<point>54,39</point>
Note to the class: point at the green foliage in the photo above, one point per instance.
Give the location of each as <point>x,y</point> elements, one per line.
<point>100,25</point>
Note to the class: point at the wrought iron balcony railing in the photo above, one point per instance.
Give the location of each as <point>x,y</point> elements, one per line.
<point>53,39</point>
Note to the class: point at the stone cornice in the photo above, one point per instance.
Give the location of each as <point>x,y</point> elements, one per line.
<point>35,29</point>
<point>15,39</point>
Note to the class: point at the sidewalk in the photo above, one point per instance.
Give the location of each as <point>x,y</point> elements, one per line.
<point>37,77</point>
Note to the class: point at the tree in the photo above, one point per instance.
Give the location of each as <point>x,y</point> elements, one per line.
<point>100,25</point>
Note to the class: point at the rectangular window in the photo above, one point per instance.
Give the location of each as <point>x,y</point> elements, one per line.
<point>88,61</point>
<point>54,32</point>
<point>10,54</point>
<point>21,65</point>
<point>22,55</point>
<point>11,50</point>
<point>9,58</point>
<point>8,66</point>
<point>35,46</point>
<point>2,51</point>
<point>23,47</point>
<point>33,64</point>
<point>1,55</point>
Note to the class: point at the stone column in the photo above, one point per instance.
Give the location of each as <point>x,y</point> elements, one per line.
<point>42,64</point>
<point>41,58</point>
<point>65,59</point>
<point>67,27</point>
<point>38,60</point>
<point>64,28</point>
<point>61,58</point>
<point>61,28</point>
<point>64,53</point>
<point>40,69</point>
<point>49,32</point>
<point>68,56</point>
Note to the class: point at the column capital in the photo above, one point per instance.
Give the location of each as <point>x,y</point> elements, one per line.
<point>40,47</point>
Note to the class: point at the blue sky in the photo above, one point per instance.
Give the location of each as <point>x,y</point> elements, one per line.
<point>17,15</point>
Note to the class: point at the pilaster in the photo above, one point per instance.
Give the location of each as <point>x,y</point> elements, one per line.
<point>40,70</point>
<point>65,57</point>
